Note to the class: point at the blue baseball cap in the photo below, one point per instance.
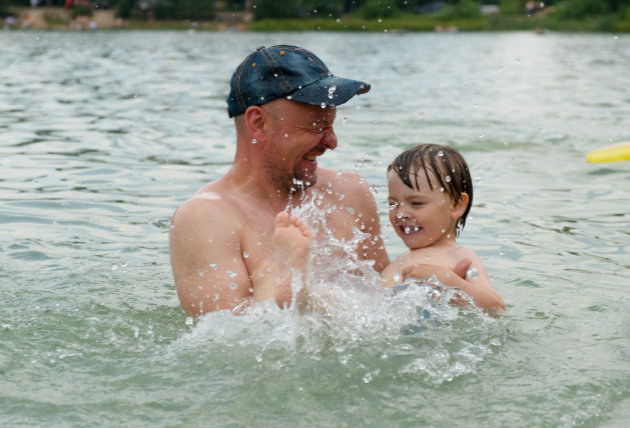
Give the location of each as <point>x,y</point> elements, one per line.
<point>291,72</point>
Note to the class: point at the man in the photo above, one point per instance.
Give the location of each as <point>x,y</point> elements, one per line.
<point>282,99</point>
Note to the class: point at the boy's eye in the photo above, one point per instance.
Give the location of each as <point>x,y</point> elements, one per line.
<point>416,204</point>
<point>393,205</point>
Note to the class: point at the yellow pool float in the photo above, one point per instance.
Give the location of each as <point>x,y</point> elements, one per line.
<point>614,153</point>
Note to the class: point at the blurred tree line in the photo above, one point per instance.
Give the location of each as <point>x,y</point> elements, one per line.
<point>367,9</point>
<point>371,9</point>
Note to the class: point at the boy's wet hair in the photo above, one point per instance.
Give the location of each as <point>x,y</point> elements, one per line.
<point>446,163</point>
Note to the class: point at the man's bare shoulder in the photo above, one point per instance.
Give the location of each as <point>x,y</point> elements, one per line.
<point>331,177</point>
<point>208,206</point>
<point>349,186</point>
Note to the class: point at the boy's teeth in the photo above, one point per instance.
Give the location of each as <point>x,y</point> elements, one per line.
<point>309,158</point>
<point>408,229</point>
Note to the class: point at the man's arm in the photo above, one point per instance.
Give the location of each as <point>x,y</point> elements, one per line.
<point>206,257</point>
<point>359,197</point>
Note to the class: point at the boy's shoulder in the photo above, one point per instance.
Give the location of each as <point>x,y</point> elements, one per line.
<point>447,257</point>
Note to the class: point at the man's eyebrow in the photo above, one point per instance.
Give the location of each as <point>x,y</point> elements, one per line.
<point>324,120</point>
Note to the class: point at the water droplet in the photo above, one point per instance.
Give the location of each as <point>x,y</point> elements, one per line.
<point>323,105</point>
<point>189,321</point>
<point>472,273</point>
<point>441,153</point>
<point>231,274</point>
<point>233,286</point>
<point>289,97</point>
<point>517,60</point>
<point>331,91</point>
<point>368,376</point>
<point>447,178</point>
<point>119,264</point>
<point>213,266</point>
<point>245,254</point>
<point>482,134</point>
<point>254,141</point>
<point>421,115</point>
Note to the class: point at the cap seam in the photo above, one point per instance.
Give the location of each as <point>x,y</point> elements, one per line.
<point>276,68</point>
<point>310,56</point>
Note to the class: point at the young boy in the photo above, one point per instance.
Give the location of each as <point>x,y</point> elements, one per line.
<point>430,196</point>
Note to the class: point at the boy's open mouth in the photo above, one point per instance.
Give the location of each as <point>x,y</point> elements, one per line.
<point>409,229</point>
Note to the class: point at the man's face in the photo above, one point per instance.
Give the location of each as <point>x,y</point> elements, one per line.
<point>300,134</point>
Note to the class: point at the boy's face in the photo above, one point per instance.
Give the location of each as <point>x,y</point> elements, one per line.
<point>421,217</point>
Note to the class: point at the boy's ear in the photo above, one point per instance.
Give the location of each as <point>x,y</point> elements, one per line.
<point>459,208</point>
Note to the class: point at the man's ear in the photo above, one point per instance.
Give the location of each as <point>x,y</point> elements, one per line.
<point>257,121</point>
<point>459,208</point>
<point>254,119</point>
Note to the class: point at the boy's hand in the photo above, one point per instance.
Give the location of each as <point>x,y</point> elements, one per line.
<point>462,267</point>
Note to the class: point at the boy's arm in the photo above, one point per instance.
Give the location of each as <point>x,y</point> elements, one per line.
<point>483,296</point>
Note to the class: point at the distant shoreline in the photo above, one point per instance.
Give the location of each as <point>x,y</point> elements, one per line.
<point>57,18</point>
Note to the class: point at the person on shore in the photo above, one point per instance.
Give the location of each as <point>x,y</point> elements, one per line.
<point>283,100</point>
<point>430,196</point>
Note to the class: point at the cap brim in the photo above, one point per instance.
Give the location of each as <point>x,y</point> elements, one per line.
<point>329,91</point>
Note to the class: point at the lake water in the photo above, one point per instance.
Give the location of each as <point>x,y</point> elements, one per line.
<point>104,134</point>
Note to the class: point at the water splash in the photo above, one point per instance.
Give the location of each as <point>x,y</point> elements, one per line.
<point>350,323</point>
